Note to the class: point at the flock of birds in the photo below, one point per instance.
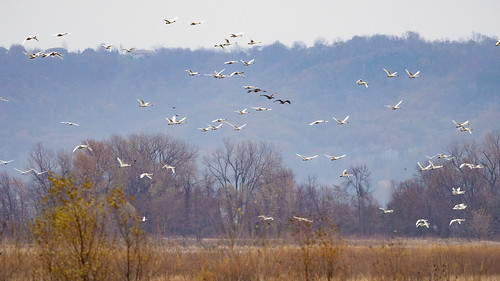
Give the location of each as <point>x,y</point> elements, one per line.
<point>254,89</point>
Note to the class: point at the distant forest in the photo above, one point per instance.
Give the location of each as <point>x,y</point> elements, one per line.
<point>225,179</point>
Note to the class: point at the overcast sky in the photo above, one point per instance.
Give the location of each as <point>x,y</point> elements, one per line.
<point>139,23</point>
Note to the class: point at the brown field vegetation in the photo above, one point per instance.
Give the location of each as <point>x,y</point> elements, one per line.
<point>352,259</point>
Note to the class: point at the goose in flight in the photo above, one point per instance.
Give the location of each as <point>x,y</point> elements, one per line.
<point>3,99</point>
<point>389,74</point>
<point>70,123</point>
<point>252,42</point>
<point>231,62</point>
<point>6,162</point>
<point>343,121</point>
<point>107,47</point>
<point>333,158</point>
<point>345,174</point>
<point>361,82</point>
<point>23,172</point>
<point>168,167</point>
<point>256,90</point>
<point>394,107</point>
<point>386,211</point>
<point>422,222</point>
<point>247,63</point>
<point>306,158</point>
<point>128,50</point>
<point>147,175</point>
<point>30,38</point>
<point>283,101</point>
<point>236,128</point>
<point>174,121</point>
<point>143,104</point>
<point>269,97</point>
<point>459,207</point>
<point>411,75</point>
<point>241,112</point>
<point>258,108</point>
<point>302,219</point>
<point>317,122</point>
<point>459,221</point>
<point>170,21</point>
<point>460,125</point>
<point>264,218</point>
<point>81,146</point>
<point>434,166</point>
<point>422,168</point>
<point>192,73</point>
<point>122,164</point>
<point>234,35</point>
<point>457,191</point>
<point>61,34</point>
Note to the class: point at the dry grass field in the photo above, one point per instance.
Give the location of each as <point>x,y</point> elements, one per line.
<point>346,259</point>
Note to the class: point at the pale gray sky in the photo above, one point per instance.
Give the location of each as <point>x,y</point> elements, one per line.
<point>139,23</point>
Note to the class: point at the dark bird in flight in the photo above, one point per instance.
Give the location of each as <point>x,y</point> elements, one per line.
<point>283,101</point>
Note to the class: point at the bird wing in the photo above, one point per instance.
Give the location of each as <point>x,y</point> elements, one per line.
<point>338,121</point>
<point>345,119</point>
<point>409,73</point>
<point>417,73</point>
<point>399,103</point>
<point>120,161</point>
<point>387,71</point>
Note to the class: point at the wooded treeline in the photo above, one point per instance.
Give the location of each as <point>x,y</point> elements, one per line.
<point>222,193</point>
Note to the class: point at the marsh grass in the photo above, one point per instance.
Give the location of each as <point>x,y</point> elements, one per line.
<point>393,259</point>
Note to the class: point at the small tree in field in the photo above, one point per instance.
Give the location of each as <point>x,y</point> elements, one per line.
<point>70,233</point>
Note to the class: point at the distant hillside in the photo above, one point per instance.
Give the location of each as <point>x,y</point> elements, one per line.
<point>98,89</point>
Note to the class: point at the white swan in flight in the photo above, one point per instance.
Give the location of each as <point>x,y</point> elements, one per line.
<point>252,42</point>
<point>302,219</point>
<point>317,122</point>
<point>457,191</point>
<point>422,168</point>
<point>345,174</point>
<point>386,211</point>
<point>192,73</point>
<point>247,63</point>
<point>258,108</point>
<point>23,172</point>
<point>434,166</point>
<point>231,62</point>
<point>361,82</point>
<point>333,158</point>
<point>411,75</point>
<point>306,158</point>
<point>389,74</point>
<point>147,175</point>
<point>143,104</point>
<point>81,146</point>
<point>394,107</point>
<point>342,122</point>
<point>460,206</point>
<point>174,121</point>
<point>4,99</point>
<point>234,35</point>
<point>107,47</point>
<point>168,167</point>
<point>70,123</point>
<point>465,129</point>
<point>236,128</point>
<point>219,120</point>
<point>422,222</point>
<point>39,173</point>
<point>265,218</point>
<point>61,34</point>
<point>241,112</point>
<point>122,164</point>
<point>459,221</point>
<point>214,128</point>
<point>460,125</point>
<point>6,162</point>
<point>196,23</point>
